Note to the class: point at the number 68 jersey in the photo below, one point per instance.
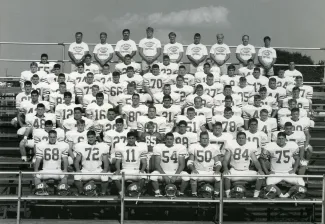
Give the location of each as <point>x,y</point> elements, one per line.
<point>169,156</point>
<point>204,156</point>
<point>281,157</point>
<point>131,155</point>
<point>51,154</point>
<point>91,155</point>
<point>240,154</point>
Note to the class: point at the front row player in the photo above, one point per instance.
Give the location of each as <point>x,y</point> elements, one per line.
<point>284,159</point>
<point>52,153</point>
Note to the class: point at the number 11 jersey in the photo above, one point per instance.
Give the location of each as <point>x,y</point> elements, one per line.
<point>131,155</point>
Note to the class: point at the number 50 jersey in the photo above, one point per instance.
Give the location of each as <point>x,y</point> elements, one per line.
<point>204,156</point>
<point>131,155</point>
<point>91,155</point>
<point>52,154</point>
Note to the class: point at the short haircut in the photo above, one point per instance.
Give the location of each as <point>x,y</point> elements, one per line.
<point>170,134</point>
<point>295,110</point>
<point>166,57</point>
<point>250,60</point>
<point>80,64</point>
<point>227,87</point>
<point>52,132</point>
<point>242,79</point>
<point>131,134</point>
<point>263,89</point>
<point>210,75</point>
<point>182,122</point>
<point>103,33</point>
<point>127,56</point>
<point>119,121</point>
<point>57,66</point>
<point>282,134</point>
<point>130,68</point>
<point>252,120</point>
<point>77,109</point>
<point>27,83</point>
<point>206,64</point>
<point>91,132</point>
<point>228,98</point>
<point>288,124</point>
<point>48,123</point>
<point>295,88</point>
<point>150,29</point>
<point>167,97</point>
<point>197,35</point>
<point>99,95</point>
<point>61,75</point>
<point>116,73</point>
<point>218,123</point>
<point>81,121</point>
<point>227,109</point>
<point>204,133</point>
<point>199,87</point>
<point>180,77</point>
<point>272,79</point>
<point>166,85</point>
<point>90,73</point>
<point>135,94</point>
<point>198,97</point>
<point>264,111</point>
<point>299,77</point>
<point>151,106</point>
<point>95,86</point>
<point>155,66</point>
<point>241,133</point>
<point>40,105</point>
<point>125,30</point>
<point>34,92</point>
<point>257,69</point>
<point>33,64</point>
<point>231,67</point>
<point>257,97</point>
<point>245,35</point>
<point>267,38</point>
<point>35,76</point>
<point>181,66</point>
<point>172,34</point>
<point>67,94</point>
<point>79,33</point>
<point>44,55</point>
<point>62,84</point>
<point>88,56</point>
<point>292,100</point>
<point>106,65</point>
<point>190,109</point>
<point>110,110</point>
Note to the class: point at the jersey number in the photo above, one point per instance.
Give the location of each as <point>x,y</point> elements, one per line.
<point>92,154</point>
<point>130,153</point>
<point>51,154</point>
<point>166,158</point>
<point>238,154</point>
<point>204,156</point>
<point>284,154</point>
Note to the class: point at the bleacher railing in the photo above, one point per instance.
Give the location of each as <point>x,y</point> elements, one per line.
<point>218,202</point>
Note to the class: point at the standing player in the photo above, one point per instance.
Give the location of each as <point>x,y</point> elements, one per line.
<point>44,64</point>
<point>133,158</point>
<point>196,53</point>
<point>167,67</point>
<point>98,111</point>
<point>154,81</point>
<point>184,137</point>
<point>256,80</point>
<point>230,78</point>
<point>77,51</point>
<point>149,50</point>
<point>127,61</point>
<point>125,46</point>
<point>132,112</point>
<point>284,158</point>
<point>91,156</point>
<point>292,71</point>
<point>115,89</point>
<point>169,111</point>
<point>203,160</point>
<point>173,49</point>
<point>103,52</point>
<point>169,159</point>
<point>239,153</point>
<point>243,90</point>
<point>159,122</point>
<point>220,54</point>
<point>52,154</point>
<point>267,57</point>
<point>245,52</point>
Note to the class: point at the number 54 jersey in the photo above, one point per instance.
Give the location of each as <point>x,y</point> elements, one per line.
<point>131,155</point>
<point>169,156</point>
<point>51,154</point>
<point>240,154</point>
<point>204,156</point>
<point>91,155</point>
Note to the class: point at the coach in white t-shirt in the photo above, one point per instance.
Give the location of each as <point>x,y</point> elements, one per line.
<point>267,57</point>
<point>125,46</point>
<point>220,54</point>
<point>103,52</point>
<point>245,51</point>
<point>292,71</point>
<point>149,50</point>
<point>196,53</point>
<point>77,51</point>
<point>173,49</point>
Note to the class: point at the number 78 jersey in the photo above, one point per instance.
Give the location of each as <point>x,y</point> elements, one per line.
<point>204,156</point>
<point>91,155</point>
<point>240,154</point>
<point>131,155</point>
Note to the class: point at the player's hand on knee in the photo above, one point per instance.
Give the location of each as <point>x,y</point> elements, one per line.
<point>260,172</point>
<point>226,172</point>
<point>117,172</point>
<point>217,173</point>
<point>291,171</point>
<point>173,179</point>
<point>195,172</point>
<point>166,179</point>
<point>271,172</point>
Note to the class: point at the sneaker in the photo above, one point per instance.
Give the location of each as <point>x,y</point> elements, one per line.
<point>158,194</point>
<point>194,194</point>
<point>256,194</point>
<point>216,194</point>
<point>286,195</point>
<point>180,194</point>
<point>42,193</point>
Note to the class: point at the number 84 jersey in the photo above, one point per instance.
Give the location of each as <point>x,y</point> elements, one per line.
<point>91,155</point>
<point>204,156</point>
<point>240,154</point>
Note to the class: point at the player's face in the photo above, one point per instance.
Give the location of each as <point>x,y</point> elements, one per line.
<point>90,78</point>
<point>179,82</point>
<point>220,39</point>
<point>103,38</point>
<point>263,94</point>
<point>227,91</point>
<point>40,111</point>
<point>272,84</point>
<point>151,128</point>
<point>77,114</point>
<point>197,102</point>
<point>264,116</point>
<point>119,127</point>
<point>242,84</point>
<point>135,100</point>
<point>130,73</point>
<point>131,140</point>
<point>182,71</point>
<point>217,130</point>
<point>44,60</point>
<point>91,139</point>
<point>48,128</point>
<point>231,72</point>
<point>288,129</point>
<point>190,114</point>
<point>292,66</point>
<point>57,71</point>
<point>155,71</point>
<point>182,129</point>
<point>281,140</point>
<point>228,114</point>
<point>105,70</point>
<point>206,68</point>
<point>281,73</point>
<point>62,88</point>
<point>197,39</point>
<point>151,113</point>
<point>81,69</point>
<point>199,91</point>
<point>33,68</point>
<point>94,90</point>
<point>80,127</point>
<point>257,102</point>
<point>110,115</point>
<point>167,90</point>
<point>169,141</point>
<point>127,60</point>
<point>172,39</point>
<point>295,115</point>
<point>166,61</point>
<point>149,34</point>
<point>78,38</point>
<point>52,138</point>
<point>299,82</point>
<point>228,103</point>
<point>292,104</point>
<point>267,43</point>
<point>116,78</point>
<point>250,65</point>
<point>210,80</point>
<point>167,102</point>
<point>253,127</point>
<point>204,140</point>
<point>295,94</point>
<point>34,97</point>
<point>241,140</point>
<point>100,100</point>
<point>126,35</point>
<point>245,40</point>
<point>67,99</point>
<point>87,60</point>
<point>61,79</point>
<point>256,74</point>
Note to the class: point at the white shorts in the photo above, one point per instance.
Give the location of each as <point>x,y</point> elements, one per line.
<point>145,66</point>
<point>133,178</point>
<point>185,176</point>
<point>103,178</point>
<point>21,131</point>
<point>44,176</point>
<point>296,180</point>
<point>205,179</point>
<point>30,143</point>
<point>252,173</point>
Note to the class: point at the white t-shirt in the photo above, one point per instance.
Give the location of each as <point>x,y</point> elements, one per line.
<point>197,51</point>
<point>220,51</point>
<point>103,50</point>
<point>150,46</point>
<point>125,47</point>
<point>293,73</point>
<point>267,54</point>
<point>245,51</point>
<point>173,50</point>
<point>78,50</point>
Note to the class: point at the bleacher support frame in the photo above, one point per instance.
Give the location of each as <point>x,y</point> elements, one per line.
<point>219,202</point>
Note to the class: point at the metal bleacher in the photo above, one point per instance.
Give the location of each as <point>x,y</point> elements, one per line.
<point>17,201</point>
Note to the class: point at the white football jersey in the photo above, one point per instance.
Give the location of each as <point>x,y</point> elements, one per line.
<point>42,88</point>
<point>133,113</point>
<point>159,124</point>
<point>244,71</point>
<point>126,99</point>
<point>46,67</point>
<point>302,124</point>
<point>170,156</point>
<point>189,79</point>
<point>183,92</point>
<point>170,69</point>
<point>284,82</point>
<point>75,136</point>
<point>93,68</point>
<point>27,107</point>
<point>220,110</point>
<point>221,140</point>
<point>245,93</point>
<point>105,125</point>
<point>54,87</point>
<point>52,154</point>
<point>136,78</point>
<point>71,123</point>
<point>169,113</point>
<point>203,111</point>
<point>98,112</point>
<point>131,155</point>
<point>251,111</point>
<point>240,154</point>
<point>293,74</point>
<point>114,90</point>
<point>40,135</point>
<point>298,137</point>
<point>212,90</point>
<point>155,82</point>
<point>121,67</point>
<point>262,81</point>
<point>207,101</point>
<point>39,122</point>
<point>27,76</point>
<point>84,88</point>
<point>204,156</point>
<point>22,97</point>
<point>227,80</point>
<point>90,98</point>
<point>160,96</point>
<point>305,91</point>
<point>259,138</point>
<point>114,137</point>
<point>278,93</point>
<point>102,78</point>
<point>229,125</point>
<point>268,126</point>
<point>301,102</point>
<point>219,100</point>
<point>76,77</point>
<point>194,125</point>
<point>58,98</point>
<point>63,111</point>
<point>186,139</point>
<point>286,112</point>
<point>201,77</point>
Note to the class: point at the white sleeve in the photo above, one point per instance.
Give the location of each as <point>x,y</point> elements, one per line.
<point>134,46</point>
<point>228,50</point>
<point>237,50</point>
<point>71,47</point>
<point>86,47</point>
<point>95,49</point>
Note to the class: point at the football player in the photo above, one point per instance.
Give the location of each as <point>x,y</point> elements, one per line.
<point>131,76</point>
<point>219,99</point>
<point>210,87</point>
<point>44,64</point>
<point>256,80</point>
<point>115,88</point>
<point>266,124</point>
<point>27,75</point>
<point>167,67</point>
<point>279,93</point>
<point>207,101</point>
<point>292,71</point>
<point>195,123</point>
<point>282,81</point>
<point>126,98</point>
<point>55,86</point>
<point>91,98</point>
<point>79,75</point>
<point>219,110</point>
<point>305,91</point>
<point>167,92</point>
<point>248,70</point>
<point>155,80</point>
<point>189,79</point>
<point>243,90</point>
<point>219,137</point>
<point>201,77</point>
<point>57,98</point>
<point>127,61</point>
<point>230,78</point>
<point>98,111</point>
<point>89,66</point>
<point>105,125</point>
<point>184,137</point>
<point>65,110</point>
<point>183,90</point>
<point>286,112</point>
<point>169,111</point>
<point>41,87</point>
<point>71,123</point>
<point>301,101</point>
<point>105,76</point>
<point>266,100</point>
<point>160,122</point>
<point>84,88</point>
<point>52,77</point>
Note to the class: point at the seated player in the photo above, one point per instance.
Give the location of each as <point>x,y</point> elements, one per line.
<point>169,111</point>
<point>166,67</point>
<point>27,75</point>
<point>305,91</point>
<point>131,76</point>
<point>203,160</point>
<point>248,70</point>
<point>79,75</point>
<point>301,101</point>
<point>231,124</point>
<point>211,87</point>
<point>243,90</point>
<point>91,98</point>
<point>85,88</point>
<point>55,86</point>
<point>279,93</point>
<point>201,77</point>
<point>230,79</point>
<point>89,66</point>
<point>169,159</point>
<point>133,158</point>
<point>219,99</point>
<point>286,112</point>
<point>91,156</point>
<point>213,68</point>
<point>44,64</point>
<point>256,80</point>
<point>39,135</point>
<point>122,67</point>
<point>195,123</point>
<point>41,87</point>
<point>184,137</point>
<point>57,97</point>
<point>51,153</point>
<point>26,95</point>
<point>268,101</point>
<point>160,122</point>
<point>154,81</point>
<point>183,90</point>
<point>65,110</point>
<point>188,79</point>
<point>267,124</point>
<point>105,76</point>
<point>219,110</point>
<point>71,123</point>
<point>207,101</point>
<point>53,76</point>
<point>238,155</point>
<point>98,110</point>
<point>158,97</point>
<point>284,158</point>
<point>126,98</point>
<point>282,81</point>
<point>104,125</point>
<point>115,88</point>
<point>220,138</point>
